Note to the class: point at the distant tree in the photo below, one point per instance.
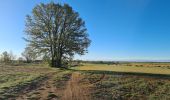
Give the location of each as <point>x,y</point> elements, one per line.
<point>29,55</point>
<point>20,60</point>
<point>12,56</point>
<point>57,31</point>
<point>5,57</point>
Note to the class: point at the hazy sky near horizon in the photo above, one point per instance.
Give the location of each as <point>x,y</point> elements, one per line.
<point>119,29</point>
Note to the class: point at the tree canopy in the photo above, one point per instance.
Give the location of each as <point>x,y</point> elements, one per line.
<point>56,30</point>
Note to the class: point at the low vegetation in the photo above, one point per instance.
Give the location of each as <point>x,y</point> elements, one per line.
<point>94,81</point>
<point>14,79</point>
<point>131,87</point>
<point>129,68</point>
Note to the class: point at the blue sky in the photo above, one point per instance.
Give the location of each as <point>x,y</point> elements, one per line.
<point>119,29</point>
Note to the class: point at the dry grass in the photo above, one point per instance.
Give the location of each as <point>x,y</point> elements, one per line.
<point>14,79</point>
<point>125,68</point>
<point>89,82</point>
<point>129,87</point>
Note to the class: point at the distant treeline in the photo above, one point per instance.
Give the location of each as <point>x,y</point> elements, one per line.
<point>98,62</point>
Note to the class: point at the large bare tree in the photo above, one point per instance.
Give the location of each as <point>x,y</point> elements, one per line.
<point>56,30</point>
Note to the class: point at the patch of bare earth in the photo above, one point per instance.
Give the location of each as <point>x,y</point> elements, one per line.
<point>46,91</point>
<point>75,90</point>
<point>77,87</point>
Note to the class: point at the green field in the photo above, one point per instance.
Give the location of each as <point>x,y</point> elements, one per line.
<point>149,81</point>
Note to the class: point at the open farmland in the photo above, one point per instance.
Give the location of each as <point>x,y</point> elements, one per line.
<point>128,87</point>
<point>151,68</point>
<point>94,81</point>
<point>129,81</point>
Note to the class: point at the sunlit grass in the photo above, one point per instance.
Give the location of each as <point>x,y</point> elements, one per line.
<point>16,78</point>
<point>128,87</point>
<point>124,68</point>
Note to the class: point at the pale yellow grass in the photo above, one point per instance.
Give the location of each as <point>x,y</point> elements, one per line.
<point>123,68</point>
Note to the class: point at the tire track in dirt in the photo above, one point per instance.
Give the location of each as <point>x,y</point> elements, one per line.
<point>75,90</point>
<point>42,92</point>
<point>97,81</point>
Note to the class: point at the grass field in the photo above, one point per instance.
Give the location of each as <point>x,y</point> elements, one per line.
<point>134,68</point>
<point>129,87</point>
<point>132,81</point>
<point>14,79</point>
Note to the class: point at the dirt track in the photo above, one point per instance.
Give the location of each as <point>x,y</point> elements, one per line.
<point>46,91</point>
<point>74,89</point>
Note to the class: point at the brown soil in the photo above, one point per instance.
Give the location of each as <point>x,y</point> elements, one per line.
<point>46,91</point>
<point>74,89</point>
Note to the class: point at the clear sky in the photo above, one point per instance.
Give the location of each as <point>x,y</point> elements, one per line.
<point>119,29</point>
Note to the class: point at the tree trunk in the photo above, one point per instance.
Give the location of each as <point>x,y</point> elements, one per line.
<point>52,62</point>
<point>58,63</point>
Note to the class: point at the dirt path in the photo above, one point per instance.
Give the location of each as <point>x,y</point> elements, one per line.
<point>75,90</point>
<point>46,91</point>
